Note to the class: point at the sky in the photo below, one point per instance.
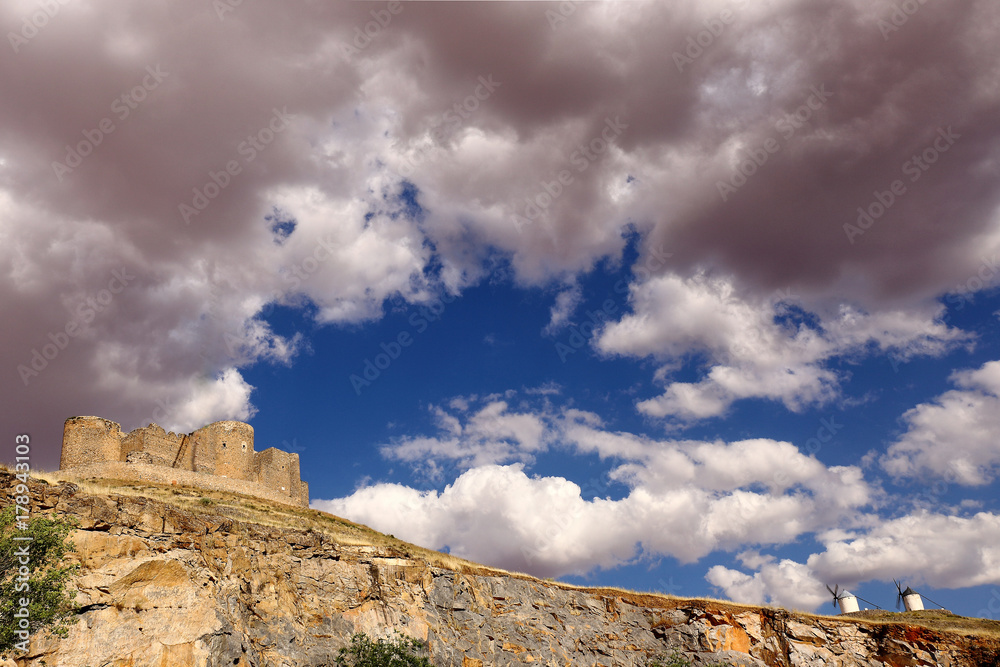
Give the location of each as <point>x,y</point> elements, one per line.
<point>690,297</point>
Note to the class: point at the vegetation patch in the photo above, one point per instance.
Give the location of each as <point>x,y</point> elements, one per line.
<point>396,651</point>
<point>33,579</point>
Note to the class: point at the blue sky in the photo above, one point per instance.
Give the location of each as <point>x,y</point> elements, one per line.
<point>493,341</point>
<point>691,297</point>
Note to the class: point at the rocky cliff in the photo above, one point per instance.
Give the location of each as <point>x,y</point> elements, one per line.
<point>170,576</point>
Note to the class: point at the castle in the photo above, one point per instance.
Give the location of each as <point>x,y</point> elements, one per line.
<point>219,456</point>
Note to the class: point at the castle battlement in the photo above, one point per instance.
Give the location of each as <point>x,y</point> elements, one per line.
<point>222,450</point>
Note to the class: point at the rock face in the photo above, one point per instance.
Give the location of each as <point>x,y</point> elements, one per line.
<point>163,586</point>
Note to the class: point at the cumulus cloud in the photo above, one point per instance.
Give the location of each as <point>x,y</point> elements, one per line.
<point>784,583</point>
<point>925,548</point>
<point>492,434</point>
<point>501,516</point>
<point>766,347</point>
<point>563,309</point>
<point>939,550</point>
<point>954,436</point>
<point>403,163</point>
<point>685,498</point>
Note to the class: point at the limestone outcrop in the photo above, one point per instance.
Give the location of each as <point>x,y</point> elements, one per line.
<point>162,585</point>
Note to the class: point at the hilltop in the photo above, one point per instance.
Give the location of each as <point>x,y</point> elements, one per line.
<point>175,575</point>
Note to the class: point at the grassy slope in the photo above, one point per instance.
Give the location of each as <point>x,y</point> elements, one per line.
<point>255,510</point>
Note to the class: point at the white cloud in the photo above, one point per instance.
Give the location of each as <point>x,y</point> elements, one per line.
<point>785,584</point>
<point>933,549</point>
<point>922,549</point>
<point>227,397</point>
<point>347,264</point>
<point>362,124</point>
<point>500,516</point>
<point>955,435</point>
<point>496,515</point>
<point>685,498</point>
<point>491,434</point>
<point>756,347</point>
<point>563,309</point>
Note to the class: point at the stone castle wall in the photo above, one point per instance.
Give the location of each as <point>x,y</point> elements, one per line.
<point>233,445</point>
<point>146,472</point>
<point>220,451</point>
<point>93,438</point>
<point>161,446</point>
<point>280,470</point>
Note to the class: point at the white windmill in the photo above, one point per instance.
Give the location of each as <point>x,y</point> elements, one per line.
<point>848,602</point>
<point>910,598</point>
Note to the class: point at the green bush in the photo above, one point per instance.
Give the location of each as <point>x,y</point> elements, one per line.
<point>399,651</point>
<point>675,659</point>
<point>51,604</point>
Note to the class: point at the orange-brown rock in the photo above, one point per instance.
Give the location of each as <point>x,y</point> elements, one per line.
<point>162,584</point>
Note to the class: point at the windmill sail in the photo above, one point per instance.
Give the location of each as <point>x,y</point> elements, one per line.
<point>910,598</point>
<point>847,601</point>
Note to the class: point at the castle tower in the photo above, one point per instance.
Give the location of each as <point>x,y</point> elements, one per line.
<point>225,449</point>
<point>90,440</point>
<point>279,471</point>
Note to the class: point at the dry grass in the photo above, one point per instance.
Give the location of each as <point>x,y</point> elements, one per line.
<point>256,510</point>
<point>934,619</point>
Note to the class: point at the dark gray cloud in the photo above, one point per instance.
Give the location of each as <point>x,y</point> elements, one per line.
<point>360,116</point>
